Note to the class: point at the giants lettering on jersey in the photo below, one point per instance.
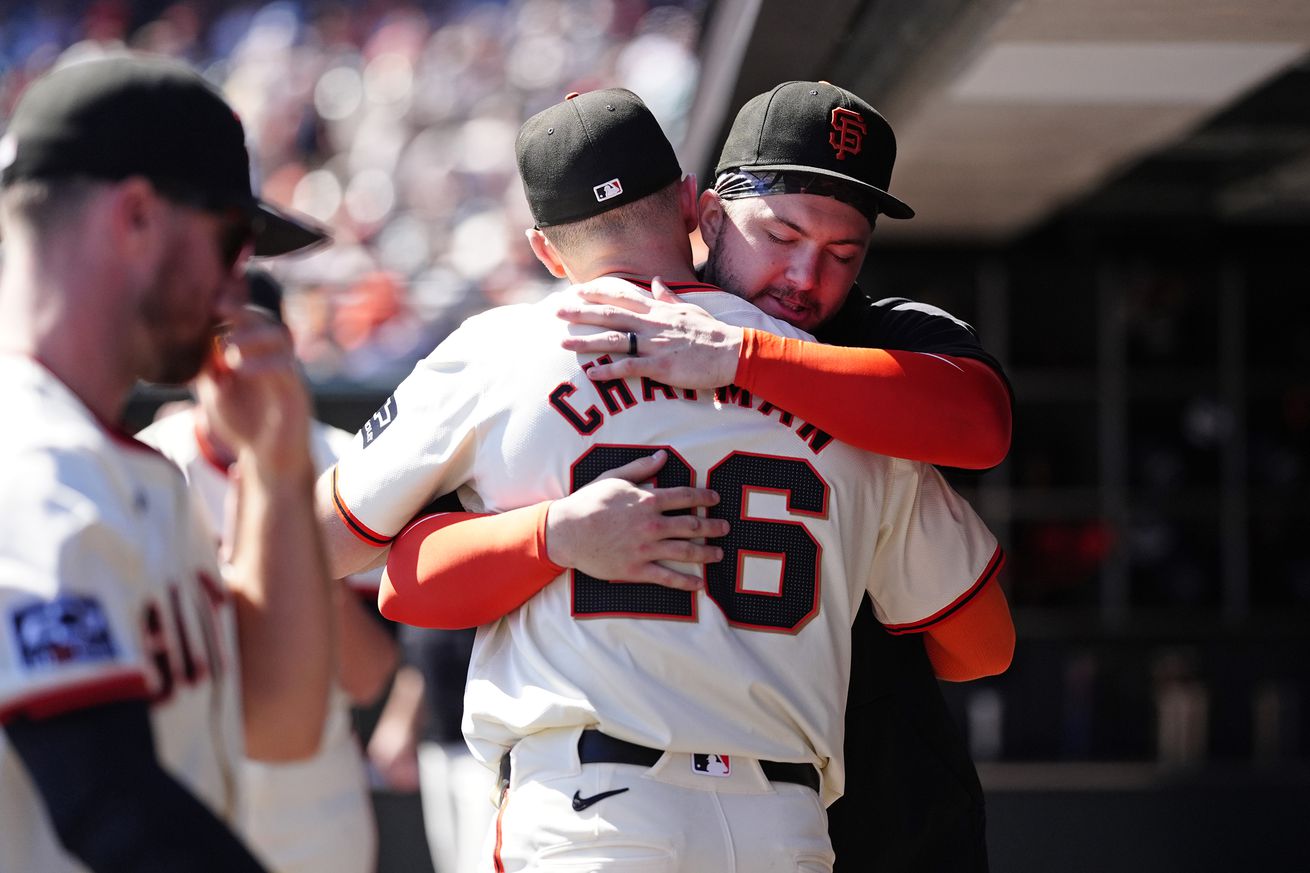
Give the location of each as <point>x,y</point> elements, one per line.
<point>616,397</point>
<point>170,643</point>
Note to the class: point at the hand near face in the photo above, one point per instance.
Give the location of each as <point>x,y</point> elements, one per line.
<point>678,343</point>
<point>253,393</point>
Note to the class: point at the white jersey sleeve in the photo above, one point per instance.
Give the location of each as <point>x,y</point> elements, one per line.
<point>933,554</point>
<point>327,444</point>
<point>421,444</point>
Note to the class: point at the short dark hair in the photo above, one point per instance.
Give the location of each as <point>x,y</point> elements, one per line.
<point>45,205</point>
<point>624,221</point>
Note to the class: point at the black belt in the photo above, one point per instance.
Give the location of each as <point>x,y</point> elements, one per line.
<point>595,747</point>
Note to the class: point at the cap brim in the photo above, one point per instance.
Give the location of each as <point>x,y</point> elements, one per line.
<point>280,233</point>
<point>887,204</point>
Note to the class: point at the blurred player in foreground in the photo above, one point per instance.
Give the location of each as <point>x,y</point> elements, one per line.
<point>127,217</point>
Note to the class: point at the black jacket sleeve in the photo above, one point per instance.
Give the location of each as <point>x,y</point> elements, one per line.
<point>904,325</point>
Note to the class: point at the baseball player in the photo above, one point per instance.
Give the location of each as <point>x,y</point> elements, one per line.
<point>673,708</point>
<point>121,690</point>
<point>314,814</point>
<point>909,766</point>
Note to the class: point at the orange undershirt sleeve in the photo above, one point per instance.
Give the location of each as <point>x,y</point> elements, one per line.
<point>461,569</point>
<point>941,409</point>
<point>976,641</point>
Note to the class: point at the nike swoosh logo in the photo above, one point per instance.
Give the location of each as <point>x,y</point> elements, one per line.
<point>580,803</point>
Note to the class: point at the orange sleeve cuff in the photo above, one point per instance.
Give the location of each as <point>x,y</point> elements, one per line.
<point>461,569</point>
<point>939,409</point>
<point>977,641</point>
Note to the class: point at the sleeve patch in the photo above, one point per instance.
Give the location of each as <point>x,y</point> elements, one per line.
<point>69,629</point>
<point>380,421</point>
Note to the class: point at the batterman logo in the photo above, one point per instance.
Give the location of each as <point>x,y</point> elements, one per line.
<point>68,629</point>
<point>711,764</point>
<point>608,191</point>
<point>380,421</point>
<point>848,130</point>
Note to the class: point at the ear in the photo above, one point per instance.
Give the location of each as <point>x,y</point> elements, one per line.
<point>687,202</point>
<point>712,216</point>
<point>545,252</point>
<point>136,220</point>
<point>134,209</point>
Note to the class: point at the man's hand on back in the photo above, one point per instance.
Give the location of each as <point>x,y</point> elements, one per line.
<point>616,530</point>
<point>257,399</point>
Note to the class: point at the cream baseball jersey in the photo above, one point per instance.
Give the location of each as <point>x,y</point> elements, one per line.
<point>109,590</point>
<point>304,815</point>
<point>753,665</point>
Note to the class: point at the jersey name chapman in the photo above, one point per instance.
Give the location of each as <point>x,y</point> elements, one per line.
<point>616,396</point>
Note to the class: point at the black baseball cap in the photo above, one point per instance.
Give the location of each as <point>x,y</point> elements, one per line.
<point>816,128</point>
<point>134,115</point>
<point>592,153</point>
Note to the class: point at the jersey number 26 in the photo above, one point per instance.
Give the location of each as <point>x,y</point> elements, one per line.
<point>785,543</point>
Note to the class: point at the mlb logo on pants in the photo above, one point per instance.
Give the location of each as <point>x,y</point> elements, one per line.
<point>710,765</point>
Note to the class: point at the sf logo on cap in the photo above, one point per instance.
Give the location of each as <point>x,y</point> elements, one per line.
<point>609,190</point>
<point>848,130</point>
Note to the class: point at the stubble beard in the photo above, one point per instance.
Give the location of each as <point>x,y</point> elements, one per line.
<point>176,356</point>
<point>719,272</point>
<point>183,363</point>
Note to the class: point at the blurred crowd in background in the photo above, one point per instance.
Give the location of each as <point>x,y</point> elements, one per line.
<point>394,125</point>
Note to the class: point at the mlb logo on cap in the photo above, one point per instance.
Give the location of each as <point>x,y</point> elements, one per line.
<point>711,764</point>
<point>565,148</point>
<point>612,188</point>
